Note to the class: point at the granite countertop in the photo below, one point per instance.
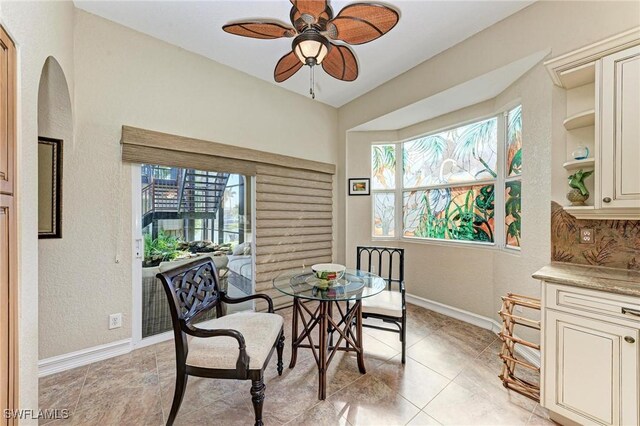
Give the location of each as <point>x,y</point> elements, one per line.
<point>618,281</point>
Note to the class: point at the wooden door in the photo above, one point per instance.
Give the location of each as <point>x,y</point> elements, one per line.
<point>592,369</point>
<point>8,230</point>
<point>620,130</point>
<point>7,278</point>
<point>7,112</point>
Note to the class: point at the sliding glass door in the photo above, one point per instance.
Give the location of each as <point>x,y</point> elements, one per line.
<point>186,214</point>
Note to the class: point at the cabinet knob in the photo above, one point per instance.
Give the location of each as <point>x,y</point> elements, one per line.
<point>629,339</point>
<point>606,199</point>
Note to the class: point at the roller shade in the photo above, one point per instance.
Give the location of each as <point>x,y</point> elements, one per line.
<point>294,198</point>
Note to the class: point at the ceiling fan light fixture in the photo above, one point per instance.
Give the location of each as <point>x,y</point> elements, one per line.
<point>311,47</point>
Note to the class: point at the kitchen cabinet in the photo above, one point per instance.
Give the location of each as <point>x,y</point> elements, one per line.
<point>620,130</point>
<point>602,83</point>
<point>590,345</point>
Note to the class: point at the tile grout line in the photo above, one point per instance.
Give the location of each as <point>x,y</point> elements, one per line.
<point>451,380</point>
<point>84,381</point>
<point>433,399</point>
<point>155,356</point>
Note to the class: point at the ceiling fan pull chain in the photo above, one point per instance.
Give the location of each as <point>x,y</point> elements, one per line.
<point>312,82</point>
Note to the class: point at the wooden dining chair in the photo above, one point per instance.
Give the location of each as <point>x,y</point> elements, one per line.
<point>388,306</point>
<point>237,346</point>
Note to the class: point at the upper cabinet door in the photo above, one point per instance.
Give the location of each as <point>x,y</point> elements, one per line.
<point>620,130</point>
<point>7,112</point>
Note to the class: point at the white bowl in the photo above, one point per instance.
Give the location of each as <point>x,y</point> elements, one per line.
<point>328,271</point>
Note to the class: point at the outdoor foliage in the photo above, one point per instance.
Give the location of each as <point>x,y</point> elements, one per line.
<point>162,249</point>
<point>460,213</point>
<point>383,163</point>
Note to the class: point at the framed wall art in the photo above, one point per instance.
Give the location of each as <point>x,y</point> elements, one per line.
<point>359,186</point>
<point>49,187</point>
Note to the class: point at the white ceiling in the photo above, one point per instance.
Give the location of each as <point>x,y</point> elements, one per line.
<point>426,28</point>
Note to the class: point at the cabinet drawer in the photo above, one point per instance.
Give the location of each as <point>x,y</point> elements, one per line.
<point>603,304</point>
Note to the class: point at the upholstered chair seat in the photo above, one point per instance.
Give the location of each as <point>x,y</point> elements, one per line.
<point>388,303</point>
<point>260,330</point>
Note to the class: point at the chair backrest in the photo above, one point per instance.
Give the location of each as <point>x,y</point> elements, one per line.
<point>389,261</point>
<point>192,290</point>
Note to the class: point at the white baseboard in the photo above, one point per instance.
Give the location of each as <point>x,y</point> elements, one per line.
<point>87,356</point>
<point>82,357</point>
<point>529,354</point>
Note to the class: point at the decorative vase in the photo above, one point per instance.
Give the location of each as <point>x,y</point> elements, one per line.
<point>576,197</point>
<point>580,153</point>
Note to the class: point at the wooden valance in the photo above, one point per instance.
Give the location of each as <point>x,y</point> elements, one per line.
<point>148,146</point>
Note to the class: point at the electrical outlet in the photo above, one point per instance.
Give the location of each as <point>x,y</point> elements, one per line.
<point>115,321</point>
<point>587,235</point>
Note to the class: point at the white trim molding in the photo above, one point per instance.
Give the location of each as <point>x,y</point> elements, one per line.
<point>577,67</point>
<point>82,357</point>
<point>87,356</point>
<point>529,354</point>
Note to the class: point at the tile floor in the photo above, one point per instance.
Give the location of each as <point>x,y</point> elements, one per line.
<point>450,377</point>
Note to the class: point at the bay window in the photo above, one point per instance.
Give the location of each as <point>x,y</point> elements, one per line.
<point>460,184</point>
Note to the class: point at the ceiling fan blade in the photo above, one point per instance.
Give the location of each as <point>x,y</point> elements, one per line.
<point>287,66</point>
<point>362,22</point>
<point>259,29</point>
<point>341,63</point>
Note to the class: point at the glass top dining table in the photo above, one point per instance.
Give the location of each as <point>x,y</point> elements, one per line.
<point>354,285</point>
<point>334,308</point>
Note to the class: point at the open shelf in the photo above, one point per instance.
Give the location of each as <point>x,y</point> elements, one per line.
<point>579,76</point>
<point>587,163</point>
<point>581,119</point>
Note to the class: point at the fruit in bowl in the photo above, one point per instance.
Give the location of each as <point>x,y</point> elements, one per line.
<point>328,271</point>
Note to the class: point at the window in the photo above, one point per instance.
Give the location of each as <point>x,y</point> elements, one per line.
<point>513,178</point>
<point>383,179</point>
<point>445,188</point>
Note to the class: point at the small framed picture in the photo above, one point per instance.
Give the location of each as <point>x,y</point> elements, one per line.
<point>49,188</point>
<point>359,186</point>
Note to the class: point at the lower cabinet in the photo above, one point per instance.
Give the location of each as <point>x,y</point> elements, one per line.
<point>592,374</point>
<point>591,368</point>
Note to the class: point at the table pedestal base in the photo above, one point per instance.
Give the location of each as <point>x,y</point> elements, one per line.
<point>325,349</point>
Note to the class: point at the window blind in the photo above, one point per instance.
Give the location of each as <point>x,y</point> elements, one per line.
<point>293,224</point>
<point>294,198</point>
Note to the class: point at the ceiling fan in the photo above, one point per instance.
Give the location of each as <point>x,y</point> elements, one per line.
<point>314,28</point>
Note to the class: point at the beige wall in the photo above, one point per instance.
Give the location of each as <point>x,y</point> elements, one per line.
<point>125,77</point>
<point>40,30</point>
<point>117,76</point>
<point>473,279</point>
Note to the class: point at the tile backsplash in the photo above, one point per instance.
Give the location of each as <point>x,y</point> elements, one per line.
<point>616,243</point>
